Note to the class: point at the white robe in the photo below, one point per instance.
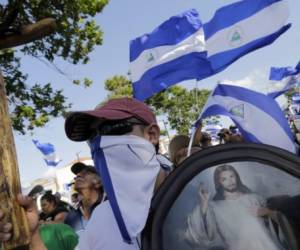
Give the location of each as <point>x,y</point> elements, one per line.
<point>230,223</point>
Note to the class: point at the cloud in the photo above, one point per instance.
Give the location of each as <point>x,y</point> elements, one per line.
<point>246,82</point>
<point>256,80</point>
<point>259,81</point>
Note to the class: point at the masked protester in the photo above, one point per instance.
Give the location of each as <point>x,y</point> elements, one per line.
<point>123,135</point>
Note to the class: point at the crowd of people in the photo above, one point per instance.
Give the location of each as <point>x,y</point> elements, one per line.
<point>178,147</point>
<point>112,199</point>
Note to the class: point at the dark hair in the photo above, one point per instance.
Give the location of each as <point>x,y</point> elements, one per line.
<point>220,190</point>
<point>48,196</point>
<point>224,132</point>
<point>75,195</point>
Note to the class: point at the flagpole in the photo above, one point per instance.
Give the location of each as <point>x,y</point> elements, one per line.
<point>167,131</point>
<point>194,128</point>
<point>196,96</point>
<point>77,155</point>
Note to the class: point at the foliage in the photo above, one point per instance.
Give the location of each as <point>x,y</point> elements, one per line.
<point>180,105</point>
<point>76,36</point>
<point>163,132</point>
<point>118,86</point>
<point>291,92</point>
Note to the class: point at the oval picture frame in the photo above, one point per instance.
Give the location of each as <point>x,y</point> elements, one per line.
<point>162,202</point>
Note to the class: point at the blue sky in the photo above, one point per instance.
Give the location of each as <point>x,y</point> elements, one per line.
<point>122,21</point>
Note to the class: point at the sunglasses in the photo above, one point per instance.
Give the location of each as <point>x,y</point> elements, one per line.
<point>117,127</point>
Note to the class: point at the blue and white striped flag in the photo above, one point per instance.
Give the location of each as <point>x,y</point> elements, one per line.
<point>175,51</point>
<point>289,77</point>
<point>49,153</point>
<point>182,48</point>
<point>242,27</point>
<point>296,98</point>
<point>257,116</point>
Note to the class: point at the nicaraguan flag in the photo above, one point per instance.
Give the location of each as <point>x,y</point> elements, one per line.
<point>257,116</point>
<point>289,77</point>
<point>49,153</point>
<point>242,27</point>
<point>181,48</point>
<point>175,51</point>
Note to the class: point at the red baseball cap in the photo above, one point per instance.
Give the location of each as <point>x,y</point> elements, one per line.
<point>78,124</point>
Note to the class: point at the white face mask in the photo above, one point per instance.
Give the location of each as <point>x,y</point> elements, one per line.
<point>128,167</point>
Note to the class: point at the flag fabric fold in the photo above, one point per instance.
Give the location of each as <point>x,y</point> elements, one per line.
<point>257,116</point>
<point>277,74</point>
<point>48,150</point>
<point>182,48</point>
<point>289,77</point>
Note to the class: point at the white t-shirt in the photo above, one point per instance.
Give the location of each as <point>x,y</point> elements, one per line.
<point>102,232</point>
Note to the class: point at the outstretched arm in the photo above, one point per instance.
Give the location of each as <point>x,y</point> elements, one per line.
<point>265,212</point>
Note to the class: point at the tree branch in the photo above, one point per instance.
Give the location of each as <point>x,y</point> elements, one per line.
<point>29,33</point>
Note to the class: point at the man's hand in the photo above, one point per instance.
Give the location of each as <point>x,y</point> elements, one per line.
<point>5,229</point>
<point>31,214</point>
<point>262,212</point>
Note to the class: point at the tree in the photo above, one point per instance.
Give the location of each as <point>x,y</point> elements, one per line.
<point>76,35</point>
<point>291,92</point>
<point>180,105</point>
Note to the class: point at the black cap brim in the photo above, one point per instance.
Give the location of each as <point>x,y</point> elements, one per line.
<point>77,126</point>
<point>79,166</point>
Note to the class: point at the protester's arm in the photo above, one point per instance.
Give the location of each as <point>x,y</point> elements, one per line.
<point>197,136</point>
<point>162,175</point>
<point>37,242</point>
<point>60,217</point>
<point>32,218</point>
